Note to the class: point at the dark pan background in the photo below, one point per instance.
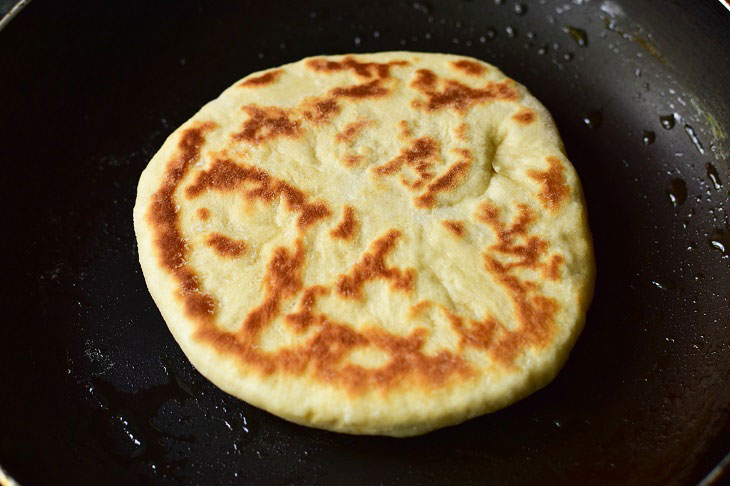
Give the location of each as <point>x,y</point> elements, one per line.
<point>93,388</point>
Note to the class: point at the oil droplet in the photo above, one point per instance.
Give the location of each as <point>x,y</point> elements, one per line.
<point>593,119</point>
<point>678,192</point>
<point>720,240</point>
<point>124,436</point>
<point>491,34</point>
<point>568,56</point>
<point>695,140</point>
<point>520,9</point>
<point>713,175</point>
<point>422,7</point>
<point>511,32</point>
<point>579,35</point>
<point>667,121</point>
<point>664,284</point>
<point>543,50</point>
<point>648,137</point>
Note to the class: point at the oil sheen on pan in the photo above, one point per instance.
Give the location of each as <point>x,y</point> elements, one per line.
<point>374,244</point>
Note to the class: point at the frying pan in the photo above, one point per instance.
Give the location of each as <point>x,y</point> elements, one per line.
<point>95,390</point>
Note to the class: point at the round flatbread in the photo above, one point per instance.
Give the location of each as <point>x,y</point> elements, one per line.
<point>375,244</point>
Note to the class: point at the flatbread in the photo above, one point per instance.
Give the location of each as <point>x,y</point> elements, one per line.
<point>375,244</point>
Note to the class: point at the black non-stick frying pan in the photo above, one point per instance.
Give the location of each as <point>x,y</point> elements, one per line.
<point>93,388</point>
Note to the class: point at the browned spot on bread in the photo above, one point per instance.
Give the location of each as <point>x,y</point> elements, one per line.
<point>527,254</point>
<point>351,130</point>
<point>455,227</point>
<point>462,132</point>
<point>470,68</point>
<point>256,184</point>
<point>478,335</point>
<point>334,342</point>
<point>416,309</point>
<point>320,110</point>
<point>268,77</point>
<point>554,188</point>
<point>346,228</point>
<point>405,129</point>
<point>535,313</point>
<point>406,355</point>
<point>351,160</point>
<point>225,246</point>
<point>304,317</point>
<point>296,201</point>
<point>162,216</point>
<point>267,123</point>
<point>226,175</point>
<point>525,116</point>
<point>372,89</point>
<point>458,96</point>
<point>350,63</point>
<point>425,80</point>
<point>552,270</point>
<point>419,156</point>
<point>283,279</point>
<point>328,349</point>
<point>372,266</point>
<point>203,213</point>
<point>450,179</point>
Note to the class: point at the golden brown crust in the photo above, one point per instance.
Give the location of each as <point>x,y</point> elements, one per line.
<point>554,188</point>
<point>349,63</point>
<point>372,266</point>
<point>351,130</point>
<point>203,213</point>
<point>420,156</point>
<point>162,217</point>
<point>455,227</point>
<point>447,181</point>
<point>352,160</point>
<point>225,175</point>
<point>462,132</point>
<point>266,124</point>
<point>225,246</point>
<point>470,68</point>
<point>320,110</point>
<point>456,95</point>
<point>346,228</point>
<point>535,312</point>
<point>267,78</point>
<point>525,116</point>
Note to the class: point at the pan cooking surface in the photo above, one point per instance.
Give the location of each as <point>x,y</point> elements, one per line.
<point>94,386</point>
